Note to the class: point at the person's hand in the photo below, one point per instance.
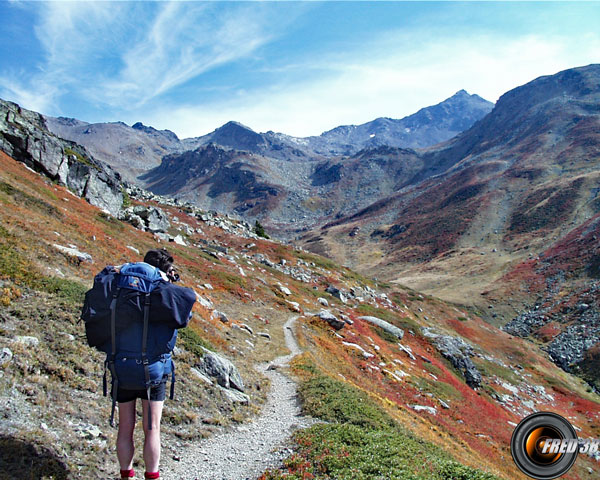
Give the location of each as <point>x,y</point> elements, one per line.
<point>172,275</point>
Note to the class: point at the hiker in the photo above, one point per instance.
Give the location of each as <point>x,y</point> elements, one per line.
<point>132,313</point>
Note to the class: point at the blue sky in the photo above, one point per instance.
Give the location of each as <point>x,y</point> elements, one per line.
<point>294,67</point>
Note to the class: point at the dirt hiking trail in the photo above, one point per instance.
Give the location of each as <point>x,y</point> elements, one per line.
<point>246,451</point>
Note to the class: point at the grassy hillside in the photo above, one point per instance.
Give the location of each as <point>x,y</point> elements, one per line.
<point>385,399</point>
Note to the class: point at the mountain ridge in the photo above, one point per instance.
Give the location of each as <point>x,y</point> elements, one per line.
<point>145,146</point>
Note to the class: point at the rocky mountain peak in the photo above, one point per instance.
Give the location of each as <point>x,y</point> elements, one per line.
<point>238,136</point>
<point>430,125</point>
<point>232,125</point>
<point>153,131</point>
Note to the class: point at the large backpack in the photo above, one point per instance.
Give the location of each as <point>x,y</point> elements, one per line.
<point>132,314</point>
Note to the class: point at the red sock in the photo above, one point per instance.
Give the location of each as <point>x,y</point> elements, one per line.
<point>151,475</point>
<point>127,473</point>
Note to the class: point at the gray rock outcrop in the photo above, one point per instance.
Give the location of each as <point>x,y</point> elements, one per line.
<point>150,219</point>
<point>457,351</point>
<point>331,319</point>
<point>336,292</point>
<point>25,137</point>
<point>223,370</point>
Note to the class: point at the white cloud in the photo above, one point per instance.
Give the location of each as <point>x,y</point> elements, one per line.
<point>183,41</point>
<point>390,77</point>
<point>72,35</point>
<point>41,98</point>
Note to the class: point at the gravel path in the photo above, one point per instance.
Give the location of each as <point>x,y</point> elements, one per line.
<point>247,451</point>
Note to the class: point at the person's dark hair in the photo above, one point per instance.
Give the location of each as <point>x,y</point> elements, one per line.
<point>159,258</point>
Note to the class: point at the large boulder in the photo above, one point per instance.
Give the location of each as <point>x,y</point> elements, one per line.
<point>336,292</point>
<point>224,371</point>
<point>151,219</point>
<point>25,137</point>
<point>331,319</point>
<point>388,327</point>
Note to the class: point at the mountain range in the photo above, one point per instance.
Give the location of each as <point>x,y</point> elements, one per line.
<point>510,186</point>
<point>138,148</point>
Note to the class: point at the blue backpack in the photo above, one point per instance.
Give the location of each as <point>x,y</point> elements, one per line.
<point>133,315</point>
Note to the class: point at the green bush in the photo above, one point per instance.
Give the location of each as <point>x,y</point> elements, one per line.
<point>260,230</point>
<point>334,401</point>
<point>193,342</point>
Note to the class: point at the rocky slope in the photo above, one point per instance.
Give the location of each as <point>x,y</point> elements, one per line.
<point>288,197</point>
<point>418,372</point>
<point>129,150</point>
<point>565,314</point>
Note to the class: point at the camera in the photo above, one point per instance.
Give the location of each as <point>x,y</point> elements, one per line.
<point>173,276</point>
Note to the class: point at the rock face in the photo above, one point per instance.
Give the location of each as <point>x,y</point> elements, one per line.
<point>457,351</point>
<point>25,137</point>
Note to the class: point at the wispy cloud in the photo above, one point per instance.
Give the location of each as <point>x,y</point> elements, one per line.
<point>192,66</point>
<point>39,97</point>
<point>72,37</point>
<point>387,77</point>
<point>184,41</point>
<point>122,55</point>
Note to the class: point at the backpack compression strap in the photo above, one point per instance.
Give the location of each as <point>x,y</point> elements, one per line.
<point>111,360</point>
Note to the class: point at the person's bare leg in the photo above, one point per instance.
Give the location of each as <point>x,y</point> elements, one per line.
<point>152,437</point>
<point>125,447</point>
